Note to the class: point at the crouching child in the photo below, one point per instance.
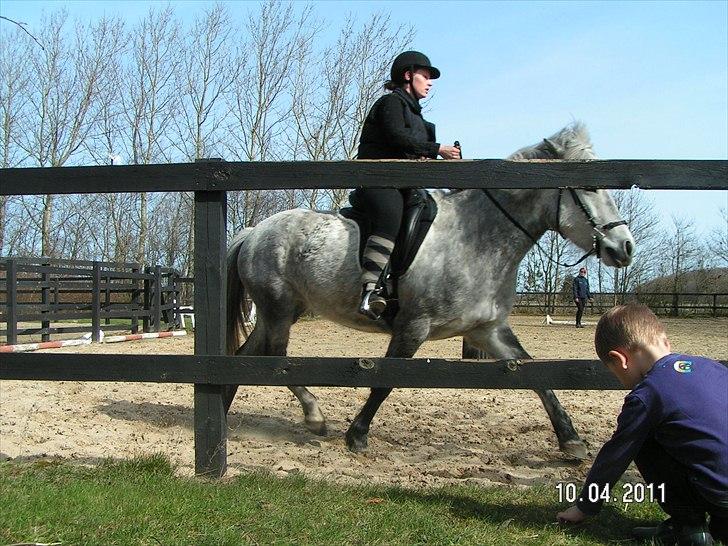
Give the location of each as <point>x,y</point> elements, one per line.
<point>673,425</point>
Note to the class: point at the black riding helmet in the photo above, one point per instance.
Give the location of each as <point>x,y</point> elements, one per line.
<point>410,60</point>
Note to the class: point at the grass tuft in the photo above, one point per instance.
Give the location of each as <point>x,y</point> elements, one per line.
<point>156,464</point>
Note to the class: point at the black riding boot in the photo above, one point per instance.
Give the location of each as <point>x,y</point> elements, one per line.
<point>671,533</point>
<point>376,256</point>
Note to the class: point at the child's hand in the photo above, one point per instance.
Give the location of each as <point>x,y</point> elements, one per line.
<point>571,515</point>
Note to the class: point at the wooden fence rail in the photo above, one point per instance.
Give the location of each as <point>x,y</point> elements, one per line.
<point>481,173</point>
<point>209,369</point>
<point>315,371</point>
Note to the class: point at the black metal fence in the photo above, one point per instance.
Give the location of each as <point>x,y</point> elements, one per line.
<point>209,369</point>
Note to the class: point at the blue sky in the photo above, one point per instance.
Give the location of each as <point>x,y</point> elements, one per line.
<point>650,79</point>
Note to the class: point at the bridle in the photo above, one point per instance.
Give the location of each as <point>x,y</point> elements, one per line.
<point>598,231</point>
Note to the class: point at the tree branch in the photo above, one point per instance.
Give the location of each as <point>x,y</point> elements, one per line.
<point>22,26</point>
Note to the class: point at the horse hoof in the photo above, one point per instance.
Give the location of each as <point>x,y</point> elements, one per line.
<point>317,427</point>
<point>356,444</point>
<point>574,448</point>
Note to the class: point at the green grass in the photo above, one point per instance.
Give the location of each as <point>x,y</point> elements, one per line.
<point>141,502</point>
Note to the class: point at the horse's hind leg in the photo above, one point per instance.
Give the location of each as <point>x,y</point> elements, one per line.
<point>313,417</point>
<point>404,344</point>
<point>270,338</point>
<point>254,345</point>
<point>501,342</point>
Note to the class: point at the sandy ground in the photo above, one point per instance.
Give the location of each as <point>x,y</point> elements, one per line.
<point>420,437</point>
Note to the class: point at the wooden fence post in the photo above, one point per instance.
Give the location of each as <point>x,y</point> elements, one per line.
<point>45,293</point>
<point>157,302</point>
<point>147,301</point>
<point>11,289</point>
<point>96,303</point>
<point>107,297</point>
<point>135,300</point>
<point>210,285</point>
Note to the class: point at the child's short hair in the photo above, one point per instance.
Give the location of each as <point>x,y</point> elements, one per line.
<point>629,326</point>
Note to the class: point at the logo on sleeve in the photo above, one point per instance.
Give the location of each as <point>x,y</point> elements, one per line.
<point>683,366</point>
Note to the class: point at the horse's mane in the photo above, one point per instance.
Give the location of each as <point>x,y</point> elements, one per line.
<point>569,141</point>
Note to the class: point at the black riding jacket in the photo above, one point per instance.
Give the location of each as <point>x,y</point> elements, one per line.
<point>395,129</point>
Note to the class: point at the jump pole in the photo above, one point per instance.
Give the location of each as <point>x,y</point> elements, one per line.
<point>148,335</point>
<point>26,347</point>
<point>548,320</point>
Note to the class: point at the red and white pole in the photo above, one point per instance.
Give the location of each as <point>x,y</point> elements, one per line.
<point>25,347</point>
<point>149,335</point>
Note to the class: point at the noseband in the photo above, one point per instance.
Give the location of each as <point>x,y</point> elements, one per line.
<point>597,237</point>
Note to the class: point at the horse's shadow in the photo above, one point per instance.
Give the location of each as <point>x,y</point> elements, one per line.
<point>153,413</point>
<point>260,427</point>
<point>240,424</point>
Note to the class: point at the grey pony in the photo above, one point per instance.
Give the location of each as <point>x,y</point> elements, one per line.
<point>462,282</point>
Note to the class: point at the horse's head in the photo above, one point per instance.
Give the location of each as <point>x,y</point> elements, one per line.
<point>588,218</point>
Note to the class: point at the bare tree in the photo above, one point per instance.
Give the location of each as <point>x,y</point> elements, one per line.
<point>151,100</point>
<point>639,211</point>
<point>168,243</point>
<point>14,89</point>
<point>24,222</point>
<point>718,242</point>
<point>540,269</point>
<point>332,97</point>
<point>94,93</point>
<point>211,68</point>
<point>66,78</point>
<point>679,253</point>
<point>259,103</point>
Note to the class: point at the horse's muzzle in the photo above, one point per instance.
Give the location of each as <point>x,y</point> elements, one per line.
<point>620,253</point>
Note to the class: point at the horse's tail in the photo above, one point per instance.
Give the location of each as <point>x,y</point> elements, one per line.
<point>237,298</point>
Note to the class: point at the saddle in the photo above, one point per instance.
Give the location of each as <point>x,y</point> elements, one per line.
<point>419,212</point>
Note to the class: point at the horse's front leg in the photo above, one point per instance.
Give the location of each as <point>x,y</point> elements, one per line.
<point>500,342</point>
<point>404,344</point>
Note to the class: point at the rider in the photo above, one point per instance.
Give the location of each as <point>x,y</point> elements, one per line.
<point>394,129</point>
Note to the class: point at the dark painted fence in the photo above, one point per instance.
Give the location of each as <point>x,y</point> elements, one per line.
<point>712,304</point>
<point>209,369</point>
<point>45,291</point>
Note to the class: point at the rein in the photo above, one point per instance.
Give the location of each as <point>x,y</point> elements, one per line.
<point>596,238</point>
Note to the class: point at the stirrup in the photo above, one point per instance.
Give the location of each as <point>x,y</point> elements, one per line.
<point>372,304</point>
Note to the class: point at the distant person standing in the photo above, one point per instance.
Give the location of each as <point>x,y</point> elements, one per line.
<point>581,294</point>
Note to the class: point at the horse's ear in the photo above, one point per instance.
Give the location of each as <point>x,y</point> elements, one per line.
<point>554,148</point>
